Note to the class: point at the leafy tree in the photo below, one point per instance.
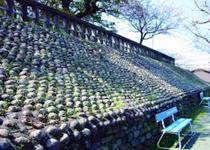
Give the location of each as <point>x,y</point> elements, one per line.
<point>90,10</point>
<point>147,18</point>
<point>2,3</point>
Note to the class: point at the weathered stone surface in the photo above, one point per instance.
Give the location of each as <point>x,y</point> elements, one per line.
<point>52,130</point>
<point>14,109</point>
<point>39,147</point>
<point>77,135</point>
<point>5,145</point>
<point>65,139</point>
<point>82,122</point>
<point>142,139</point>
<point>10,123</point>
<point>136,134</point>
<point>38,125</point>
<point>52,144</point>
<point>21,140</point>
<point>74,124</point>
<point>4,133</point>
<point>38,134</point>
<point>4,53</point>
<point>27,113</point>
<point>47,77</point>
<point>107,139</point>
<point>64,126</point>
<point>1,121</point>
<point>103,148</point>
<point>149,135</point>
<point>86,132</point>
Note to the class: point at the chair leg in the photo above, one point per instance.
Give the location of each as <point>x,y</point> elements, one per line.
<point>201,102</point>
<point>190,133</point>
<point>180,144</point>
<point>191,129</point>
<point>158,143</point>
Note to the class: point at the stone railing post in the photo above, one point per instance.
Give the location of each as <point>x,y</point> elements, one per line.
<point>36,12</point>
<point>110,43</point>
<point>24,11</point>
<point>10,7</point>
<point>80,28</point>
<point>47,19</point>
<point>89,33</point>
<point>56,24</point>
<point>66,24</point>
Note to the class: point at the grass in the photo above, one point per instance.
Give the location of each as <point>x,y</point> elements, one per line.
<point>207,93</point>
<point>200,113</point>
<point>168,141</point>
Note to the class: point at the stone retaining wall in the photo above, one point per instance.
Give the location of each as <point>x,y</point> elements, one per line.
<point>58,92</point>
<point>135,130</point>
<point>135,133</point>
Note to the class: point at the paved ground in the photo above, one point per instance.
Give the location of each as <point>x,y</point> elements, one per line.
<point>201,127</point>
<point>201,141</point>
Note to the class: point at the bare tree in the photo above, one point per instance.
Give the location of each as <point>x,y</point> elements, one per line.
<point>148,19</point>
<point>200,27</point>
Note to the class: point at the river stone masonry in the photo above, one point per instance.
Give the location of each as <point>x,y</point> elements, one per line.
<point>61,92</point>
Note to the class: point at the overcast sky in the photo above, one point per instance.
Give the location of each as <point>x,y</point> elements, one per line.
<point>179,44</point>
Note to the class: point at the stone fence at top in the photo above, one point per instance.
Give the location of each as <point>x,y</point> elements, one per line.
<point>30,10</point>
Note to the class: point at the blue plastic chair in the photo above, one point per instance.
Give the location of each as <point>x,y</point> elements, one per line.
<point>175,128</point>
<point>204,98</point>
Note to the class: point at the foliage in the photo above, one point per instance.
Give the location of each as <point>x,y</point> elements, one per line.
<point>148,19</point>
<point>2,3</point>
<point>90,10</point>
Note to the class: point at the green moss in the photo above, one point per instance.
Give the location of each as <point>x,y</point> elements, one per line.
<point>118,103</point>
<point>151,97</point>
<point>71,113</point>
<point>3,107</point>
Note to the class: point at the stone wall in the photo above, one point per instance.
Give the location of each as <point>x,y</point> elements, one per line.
<point>135,133</point>
<point>59,92</point>
<point>125,130</point>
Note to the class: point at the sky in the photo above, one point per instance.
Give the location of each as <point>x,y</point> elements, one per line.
<point>179,44</point>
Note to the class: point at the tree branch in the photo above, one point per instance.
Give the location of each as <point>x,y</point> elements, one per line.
<point>65,4</point>
<point>201,9</point>
<point>202,37</point>
<point>149,19</point>
<point>90,8</point>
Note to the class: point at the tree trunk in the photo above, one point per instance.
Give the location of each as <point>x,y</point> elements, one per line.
<point>141,40</point>
<point>65,5</point>
<point>90,8</point>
